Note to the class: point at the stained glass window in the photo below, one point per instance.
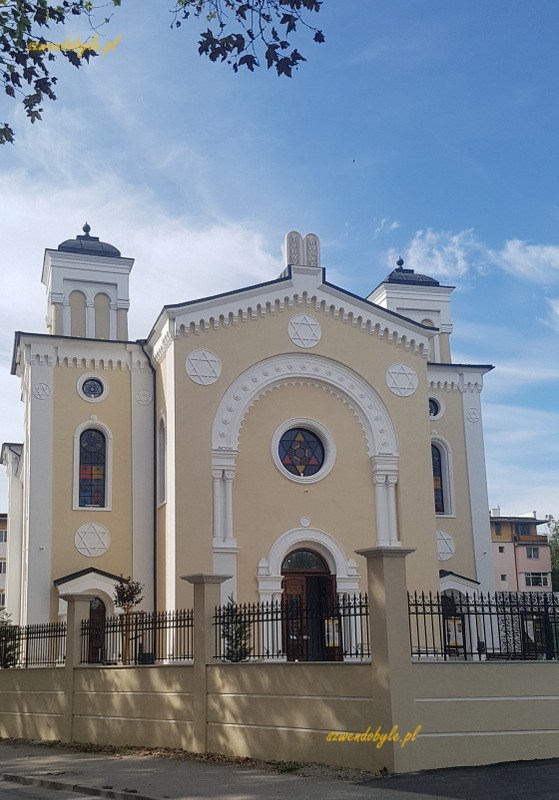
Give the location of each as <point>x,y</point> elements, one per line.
<point>92,468</point>
<point>301,452</point>
<point>437,458</point>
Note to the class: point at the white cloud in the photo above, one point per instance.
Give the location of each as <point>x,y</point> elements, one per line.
<point>455,255</point>
<point>536,262</point>
<point>442,253</point>
<point>384,227</point>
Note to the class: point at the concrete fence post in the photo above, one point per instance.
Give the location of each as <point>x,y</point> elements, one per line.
<point>207,595</point>
<point>393,696</point>
<point>78,610</point>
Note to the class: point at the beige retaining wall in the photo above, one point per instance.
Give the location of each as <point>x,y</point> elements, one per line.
<point>482,713</point>
<point>470,712</point>
<point>151,706</point>
<point>32,703</point>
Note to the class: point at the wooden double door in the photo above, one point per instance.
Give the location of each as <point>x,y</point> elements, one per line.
<point>312,626</point>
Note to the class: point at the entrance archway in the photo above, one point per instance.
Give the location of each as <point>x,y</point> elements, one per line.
<point>311,629</point>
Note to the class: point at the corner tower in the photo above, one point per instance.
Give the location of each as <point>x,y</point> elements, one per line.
<point>421,298</point>
<point>87,284</point>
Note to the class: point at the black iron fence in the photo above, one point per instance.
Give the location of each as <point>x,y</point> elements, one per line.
<point>500,626</point>
<point>139,638</point>
<point>42,645</point>
<point>291,630</point>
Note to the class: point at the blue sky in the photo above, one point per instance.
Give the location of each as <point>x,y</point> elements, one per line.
<point>425,129</point>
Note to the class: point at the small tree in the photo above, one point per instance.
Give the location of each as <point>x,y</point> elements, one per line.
<point>128,594</point>
<point>235,630</point>
<point>553,525</point>
<point>8,641</point>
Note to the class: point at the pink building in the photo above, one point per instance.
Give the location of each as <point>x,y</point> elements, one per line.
<point>521,556</point>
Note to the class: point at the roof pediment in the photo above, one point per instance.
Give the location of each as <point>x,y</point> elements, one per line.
<point>299,287</point>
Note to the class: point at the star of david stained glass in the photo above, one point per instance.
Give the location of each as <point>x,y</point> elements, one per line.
<point>301,452</point>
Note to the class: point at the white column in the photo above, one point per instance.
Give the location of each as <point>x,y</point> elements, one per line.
<point>112,322</point>
<point>218,487</point>
<point>385,478</point>
<point>90,319</point>
<point>391,481</point>
<point>224,543</point>
<point>381,511</point>
<point>66,319</point>
<point>228,476</point>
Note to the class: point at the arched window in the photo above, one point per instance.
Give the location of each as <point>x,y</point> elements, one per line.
<point>442,478</point>
<point>92,479</point>
<point>437,458</point>
<point>161,463</point>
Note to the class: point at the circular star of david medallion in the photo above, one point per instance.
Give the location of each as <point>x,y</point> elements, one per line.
<point>144,397</point>
<point>401,379</point>
<point>304,330</point>
<point>472,415</point>
<point>92,540</point>
<point>41,391</point>
<point>203,367</point>
<point>446,545</point>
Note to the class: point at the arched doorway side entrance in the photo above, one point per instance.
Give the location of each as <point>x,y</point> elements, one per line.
<point>96,646</point>
<point>311,629</point>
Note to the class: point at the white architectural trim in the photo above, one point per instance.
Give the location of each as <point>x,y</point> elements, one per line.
<point>269,568</point>
<point>311,370</point>
<point>93,583</point>
<point>324,436</point>
<point>458,583</point>
<point>143,457</point>
<point>92,376</point>
<point>94,424</point>
<point>477,480</point>
<point>299,287</point>
<point>447,475</point>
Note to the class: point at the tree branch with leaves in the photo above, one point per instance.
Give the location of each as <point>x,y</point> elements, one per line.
<point>241,33</point>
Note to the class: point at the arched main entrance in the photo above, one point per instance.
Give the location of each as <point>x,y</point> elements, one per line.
<point>311,627</point>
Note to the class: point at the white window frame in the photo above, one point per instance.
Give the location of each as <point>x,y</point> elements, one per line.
<point>543,576</point>
<point>162,462</point>
<point>447,476</point>
<point>96,425</point>
<point>533,553</point>
<point>3,566</point>
<point>92,376</point>
<point>324,436</point>
<point>3,536</point>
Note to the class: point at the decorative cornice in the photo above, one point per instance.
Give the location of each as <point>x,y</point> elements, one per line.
<point>90,354</point>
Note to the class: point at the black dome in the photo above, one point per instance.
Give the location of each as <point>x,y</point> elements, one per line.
<point>89,245</point>
<point>409,277</point>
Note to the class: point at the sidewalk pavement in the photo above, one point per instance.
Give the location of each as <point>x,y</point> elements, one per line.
<point>149,777</point>
<point>138,777</point>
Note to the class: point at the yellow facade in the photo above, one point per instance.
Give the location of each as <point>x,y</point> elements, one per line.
<point>192,420</point>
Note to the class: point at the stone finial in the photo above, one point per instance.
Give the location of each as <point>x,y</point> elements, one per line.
<point>301,252</point>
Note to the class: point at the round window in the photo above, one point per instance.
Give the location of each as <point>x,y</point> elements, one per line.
<point>92,387</point>
<point>301,452</point>
<point>436,407</point>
